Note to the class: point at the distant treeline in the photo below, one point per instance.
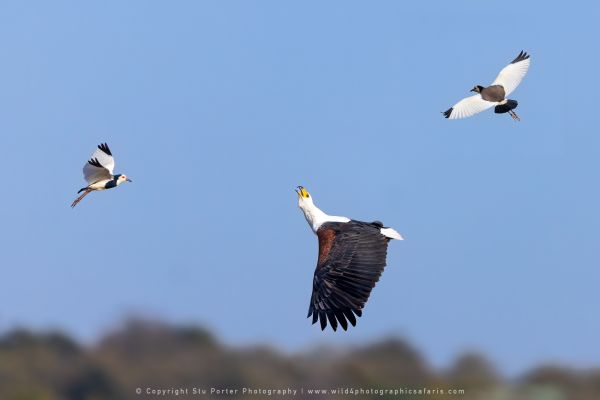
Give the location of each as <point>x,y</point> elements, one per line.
<point>166,362</point>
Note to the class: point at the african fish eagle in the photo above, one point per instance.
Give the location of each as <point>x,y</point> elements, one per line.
<point>352,256</point>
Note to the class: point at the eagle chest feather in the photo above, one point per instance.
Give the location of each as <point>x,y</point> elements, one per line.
<point>326,238</point>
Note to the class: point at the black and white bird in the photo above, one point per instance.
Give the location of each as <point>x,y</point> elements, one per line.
<point>98,172</point>
<point>352,256</point>
<point>494,95</point>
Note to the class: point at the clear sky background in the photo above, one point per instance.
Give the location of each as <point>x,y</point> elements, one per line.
<point>217,110</point>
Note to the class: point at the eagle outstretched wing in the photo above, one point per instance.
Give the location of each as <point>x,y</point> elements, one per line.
<point>352,256</point>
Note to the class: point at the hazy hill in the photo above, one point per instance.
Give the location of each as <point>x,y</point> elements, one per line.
<point>155,356</point>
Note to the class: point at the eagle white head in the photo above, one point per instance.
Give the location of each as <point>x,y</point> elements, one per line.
<point>304,199</point>
<point>313,214</point>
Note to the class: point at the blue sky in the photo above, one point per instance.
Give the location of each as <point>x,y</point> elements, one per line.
<point>217,110</point>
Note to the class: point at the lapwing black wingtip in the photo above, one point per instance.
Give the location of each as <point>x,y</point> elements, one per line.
<point>104,147</point>
<point>521,57</point>
<point>95,163</point>
<point>447,112</point>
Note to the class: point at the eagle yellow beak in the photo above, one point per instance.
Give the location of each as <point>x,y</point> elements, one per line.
<point>302,192</point>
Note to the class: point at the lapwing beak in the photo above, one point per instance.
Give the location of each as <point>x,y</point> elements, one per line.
<point>128,180</point>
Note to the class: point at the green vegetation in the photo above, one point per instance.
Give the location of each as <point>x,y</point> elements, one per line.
<point>155,356</point>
